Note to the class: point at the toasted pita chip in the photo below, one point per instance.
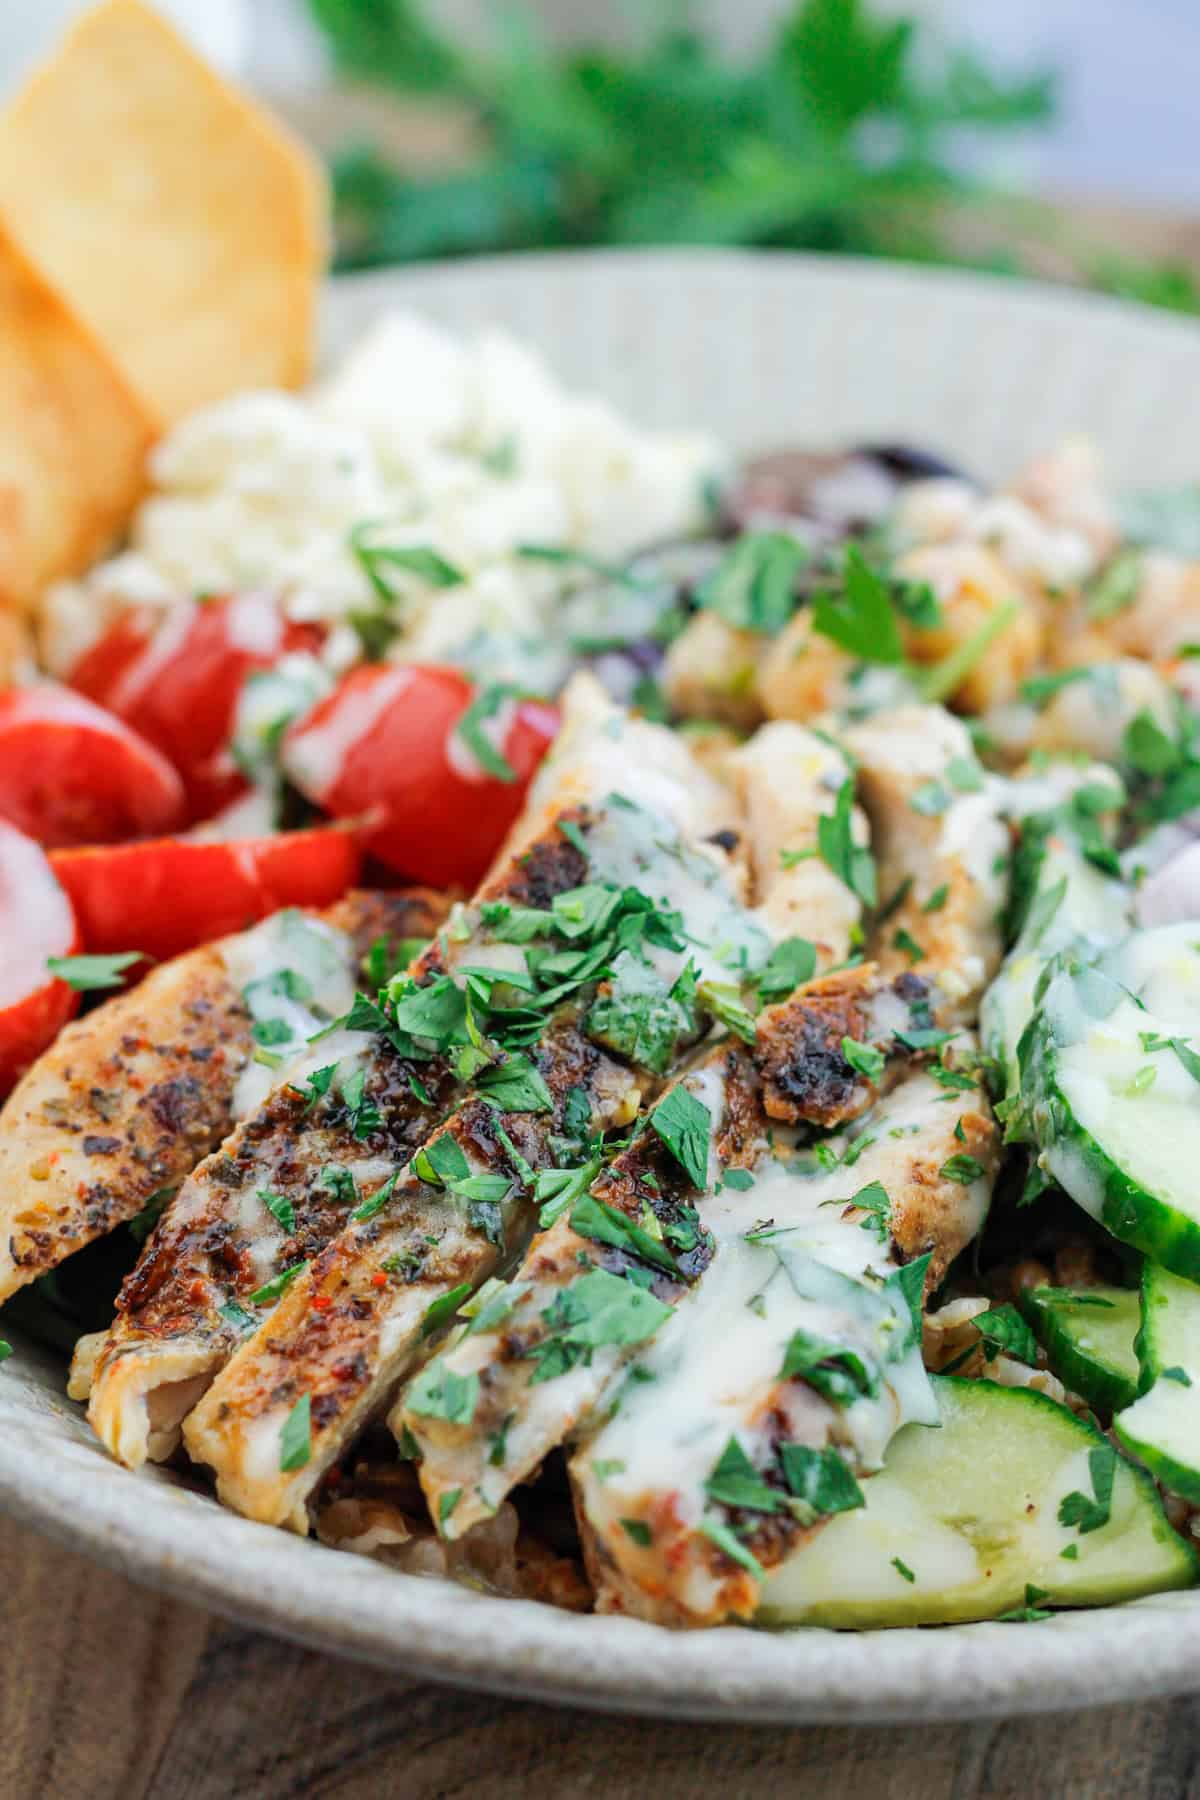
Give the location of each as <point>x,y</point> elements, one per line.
<point>184,224</point>
<point>73,438</point>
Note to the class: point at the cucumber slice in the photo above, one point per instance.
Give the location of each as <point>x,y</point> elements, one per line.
<point>1107,1088</point>
<point>1088,1335</point>
<point>1071,904</point>
<point>961,1521</point>
<point>1163,1428</point>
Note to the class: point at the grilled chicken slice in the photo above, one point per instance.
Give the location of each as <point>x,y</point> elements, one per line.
<point>941,847</point>
<point>527,1402</point>
<point>133,1095</point>
<point>351,1363</point>
<point>783,1375</point>
<point>352,1323</point>
<point>787,779</point>
<point>268,1202</point>
<point>531,1389</point>
<point>345,1116</point>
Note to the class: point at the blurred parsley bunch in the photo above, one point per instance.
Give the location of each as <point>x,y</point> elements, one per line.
<point>844,133</point>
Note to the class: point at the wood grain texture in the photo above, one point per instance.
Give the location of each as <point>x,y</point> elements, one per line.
<point>111,1691</point>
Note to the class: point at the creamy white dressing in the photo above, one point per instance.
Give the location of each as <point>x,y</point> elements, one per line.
<point>263,491</point>
<point>494,730</point>
<point>317,962</point>
<point>630,847</point>
<point>314,757</point>
<point>713,1371</point>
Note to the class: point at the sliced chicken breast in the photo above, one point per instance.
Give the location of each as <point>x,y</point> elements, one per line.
<point>941,847</point>
<point>528,1402</point>
<point>268,1202</point>
<point>133,1095</point>
<point>780,1379</point>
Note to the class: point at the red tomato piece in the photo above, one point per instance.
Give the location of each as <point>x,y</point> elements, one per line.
<point>178,681</point>
<point>36,922</point>
<point>71,773</point>
<point>171,894</point>
<point>386,747</point>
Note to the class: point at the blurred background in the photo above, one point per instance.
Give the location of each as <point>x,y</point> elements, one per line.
<point>1052,137</point>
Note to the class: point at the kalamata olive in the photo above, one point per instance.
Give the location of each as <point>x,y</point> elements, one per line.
<point>825,496</point>
<point>909,464</point>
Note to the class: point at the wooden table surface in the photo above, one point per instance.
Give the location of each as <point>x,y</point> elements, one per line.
<point>110,1690</point>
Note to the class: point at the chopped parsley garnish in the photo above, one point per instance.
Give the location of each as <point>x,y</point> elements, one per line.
<point>92,974</point>
<point>732,1547</point>
<point>724,1002</point>
<point>1148,748</point>
<point>1038,689</point>
<point>859,616</point>
<point>930,799</point>
<point>640,1016</point>
<point>295,1440</point>
<point>840,1375</point>
<point>413,559</point>
<point>1176,1373</point>
<point>962,1168</point>
<point>736,1482</point>
<point>280,1207</point>
<point>820,1479</point>
<point>143,1223</point>
<point>905,941</point>
<point>439,1393</point>
<point>739,1179</point>
<point>447,1503</point>
<point>440,1311</point>
<point>377,1201</point>
<point>515,1086</point>
<point>574,836</point>
<point>638,1532</point>
<point>237,1316</point>
<point>864,1058</point>
<point>874,1201</point>
<point>365,1116</point>
<point>937,899</point>
<point>486,704</point>
<point>1090,1512</point>
<point>271,1290</point>
<point>558,1189</point>
<point>790,964</point>
<point>852,863</point>
<point>341,1183</point>
<point>1032,1611</point>
<point>441,1162</point>
<point>964,775</point>
<point>684,1123</point>
<point>318,1085</point>
<point>603,1467</point>
<point>902,1569</point>
<point>595,1310</point>
<point>753,587</point>
<point>1004,1332</point>
<point>592,1218</point>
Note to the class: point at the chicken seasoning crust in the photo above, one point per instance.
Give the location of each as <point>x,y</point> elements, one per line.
<point>751,1180</point>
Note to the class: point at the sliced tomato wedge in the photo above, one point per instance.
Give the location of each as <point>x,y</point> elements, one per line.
<point>71,773</point>
<point>36,922</point>
<point>177,681</point>
<point>393,744</point>
<point>171,894</point>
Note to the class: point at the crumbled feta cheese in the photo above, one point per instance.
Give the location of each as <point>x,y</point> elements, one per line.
<point>469,448</point>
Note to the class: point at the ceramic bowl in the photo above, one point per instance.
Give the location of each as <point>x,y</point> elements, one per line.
<point>764,350</point>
